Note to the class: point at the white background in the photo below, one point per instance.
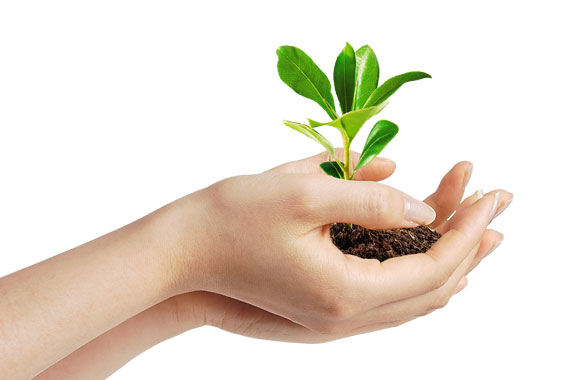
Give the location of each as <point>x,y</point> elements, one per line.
<point>110,109</point>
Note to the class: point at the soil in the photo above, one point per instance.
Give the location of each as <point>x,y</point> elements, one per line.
<point>382,244</point>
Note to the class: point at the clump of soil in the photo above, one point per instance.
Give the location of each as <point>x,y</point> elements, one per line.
<point>382,244</point>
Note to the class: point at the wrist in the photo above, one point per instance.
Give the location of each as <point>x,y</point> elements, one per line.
<point>183,231</point>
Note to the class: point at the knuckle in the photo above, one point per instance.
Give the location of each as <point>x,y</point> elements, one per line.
<point>332,308</point>
<point>221,192</point>
<point>301,196</point>
<point>376,204</point>
<point>334,305</point>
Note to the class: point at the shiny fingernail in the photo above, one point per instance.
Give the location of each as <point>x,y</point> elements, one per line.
<point>495,204</point>
<point>503,206</point>
<point>479,194</point>
<point>418,212</point>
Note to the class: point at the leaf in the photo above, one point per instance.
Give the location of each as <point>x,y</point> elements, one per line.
<point>344,78</point>
<point>333,169</point>
<point>392,85</point>
<point>380,135</point>
<point>351,122</point>
<point>311,133</point>
<point>367,73</point>
<point>300,73</point>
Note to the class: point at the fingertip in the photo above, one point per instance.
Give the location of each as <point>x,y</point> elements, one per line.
<point>461,285</point>
<point>490,202</point>
<point>495,234</point>
<point>385,163</point>
<point>505,200</point>
<point>465,164</point>
<point>479,194</point>
<point>496,243</point>
<point>467,171</point>
<point>462,172</point>
<point>455,179</point>
<point>418,212</point>
<point>473,220</point>
<point>389,166</point>
<point>387,160</point>
<point>495,237</point>
<point>377,170</point>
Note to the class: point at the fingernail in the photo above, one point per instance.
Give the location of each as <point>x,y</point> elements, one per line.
<point>503,206</point>
<point>495,204</point>
<point>467,177</point>
<point>418,212</point>
<point>479,194</point>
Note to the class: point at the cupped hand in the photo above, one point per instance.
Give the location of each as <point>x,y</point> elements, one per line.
<point>269,269</point>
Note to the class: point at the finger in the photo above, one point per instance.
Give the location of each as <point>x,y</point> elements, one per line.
<point>242,318</point>
<point>412,275</point>
<point>450,191</point>
<point>372,205</point>
<point>490,241</point>
<point>442,260</point>
<point>417,305</point>
<point>505,200</point>
<point>461,285</point>
<point>377,170</point>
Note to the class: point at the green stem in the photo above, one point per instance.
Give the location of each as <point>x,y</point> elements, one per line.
<point>346,166</point>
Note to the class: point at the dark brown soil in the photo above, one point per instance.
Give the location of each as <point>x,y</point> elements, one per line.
<point>382,244</point>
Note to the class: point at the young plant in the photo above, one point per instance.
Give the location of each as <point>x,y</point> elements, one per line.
<point>355,77</point>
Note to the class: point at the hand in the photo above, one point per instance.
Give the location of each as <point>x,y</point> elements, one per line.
<point>311,292</point>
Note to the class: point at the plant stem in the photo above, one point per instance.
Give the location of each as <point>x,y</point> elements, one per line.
<point>346,167</point>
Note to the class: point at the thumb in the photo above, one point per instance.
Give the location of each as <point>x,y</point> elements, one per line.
<point>368,204</point>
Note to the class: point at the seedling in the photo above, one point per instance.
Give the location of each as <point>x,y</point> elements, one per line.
<point>355,77</point>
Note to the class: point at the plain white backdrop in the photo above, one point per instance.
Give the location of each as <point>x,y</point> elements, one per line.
<point>111,109</point>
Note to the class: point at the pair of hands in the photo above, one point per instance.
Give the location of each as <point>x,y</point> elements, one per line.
<point>251,255</point>
<point>265,266</point>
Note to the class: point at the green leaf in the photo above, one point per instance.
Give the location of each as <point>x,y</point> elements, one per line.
<point>380,135</point>
<point>366,77</point>
<point>333,169</point>
<point>311,133</point>
<point>344,78</point>
<point>351,122</point>
<point>300,73</point>
<point>391,86</point>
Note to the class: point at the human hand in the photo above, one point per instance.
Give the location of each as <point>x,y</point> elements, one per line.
<point>291,283</point>
<point>281,279</point>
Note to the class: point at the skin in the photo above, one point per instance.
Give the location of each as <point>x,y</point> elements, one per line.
<point>201,259</point>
